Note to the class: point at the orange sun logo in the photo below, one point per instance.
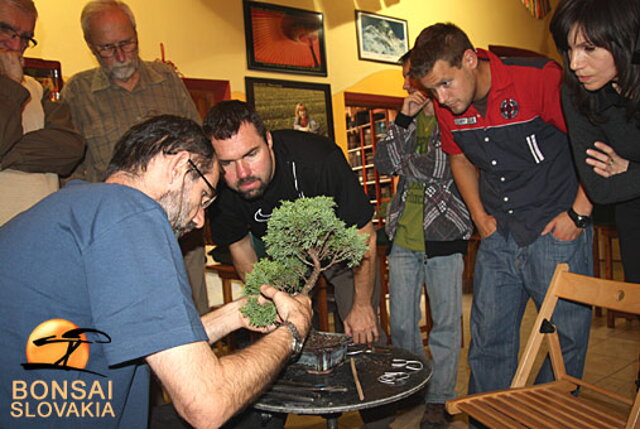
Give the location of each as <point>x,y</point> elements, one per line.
<point>50,343</point>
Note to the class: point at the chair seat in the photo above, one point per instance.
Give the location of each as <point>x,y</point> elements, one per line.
<point>545,406</point>
<point>552,405</point>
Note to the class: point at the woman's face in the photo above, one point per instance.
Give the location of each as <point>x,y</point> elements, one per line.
<point>593,66</point>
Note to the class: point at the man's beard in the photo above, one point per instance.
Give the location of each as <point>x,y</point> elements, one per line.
<point>123,71</point>
<point>177,211</point>
<point>251,193</point>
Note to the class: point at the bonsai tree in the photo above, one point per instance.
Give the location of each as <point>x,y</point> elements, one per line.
<point>304,237</point>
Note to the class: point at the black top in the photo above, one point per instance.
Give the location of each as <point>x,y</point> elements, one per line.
<point>622,134</point>
<point>307,165</point>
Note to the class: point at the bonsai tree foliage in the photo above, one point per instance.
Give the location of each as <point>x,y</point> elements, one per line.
<point>304,237</point>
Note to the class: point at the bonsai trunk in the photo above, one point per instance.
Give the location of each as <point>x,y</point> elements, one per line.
<point>311,281</point>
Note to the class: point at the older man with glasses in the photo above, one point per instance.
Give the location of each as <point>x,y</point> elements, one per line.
<point>124,90</point>
<point>110,284</point>
<point>37,139</point>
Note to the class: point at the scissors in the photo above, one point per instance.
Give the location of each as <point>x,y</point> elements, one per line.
<point>394,377</point>
<point>411,365</point>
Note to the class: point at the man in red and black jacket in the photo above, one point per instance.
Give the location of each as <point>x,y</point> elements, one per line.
<point>502,126</point>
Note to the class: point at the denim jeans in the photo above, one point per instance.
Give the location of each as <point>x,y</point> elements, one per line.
<point>408,269</point>
<point>505,277</point>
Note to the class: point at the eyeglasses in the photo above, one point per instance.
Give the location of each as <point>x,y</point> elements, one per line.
<point>214,194</point>
<point>7,32</point>
<point>109,50</point>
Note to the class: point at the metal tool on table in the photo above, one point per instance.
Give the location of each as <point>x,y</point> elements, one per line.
<point>394,377</point>
<point>400,377</point>
<point>292,397</point>
<point>411,365</point>
<point>295,391</point>
<point>356,349</point>
<point>298,386</point>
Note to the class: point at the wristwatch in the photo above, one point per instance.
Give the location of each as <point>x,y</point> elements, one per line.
<point>297,342</point>
<point>580,220</point>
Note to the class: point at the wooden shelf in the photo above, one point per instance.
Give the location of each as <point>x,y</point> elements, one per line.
<point>368,118</point>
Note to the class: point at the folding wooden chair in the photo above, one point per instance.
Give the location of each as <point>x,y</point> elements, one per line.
<point>552,405</point>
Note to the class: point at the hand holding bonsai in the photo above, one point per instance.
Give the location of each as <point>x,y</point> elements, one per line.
<point>304,237</point>
<point>295,309</point>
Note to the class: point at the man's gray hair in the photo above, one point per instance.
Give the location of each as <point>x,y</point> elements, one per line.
<point>25,6</point>
<point>96,7</point>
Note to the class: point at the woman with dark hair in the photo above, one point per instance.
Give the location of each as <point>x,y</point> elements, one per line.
<point>600,43</point>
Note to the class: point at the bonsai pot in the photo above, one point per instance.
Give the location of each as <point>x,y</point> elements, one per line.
<point>323,351</point>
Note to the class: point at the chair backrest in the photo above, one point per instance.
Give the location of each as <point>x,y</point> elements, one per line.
<point>612,294</point>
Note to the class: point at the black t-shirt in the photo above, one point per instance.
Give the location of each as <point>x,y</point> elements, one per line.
<point>307,165</point>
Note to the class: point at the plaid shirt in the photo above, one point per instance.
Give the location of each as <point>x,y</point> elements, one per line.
<point>446,217</point>
<point>103,111</point>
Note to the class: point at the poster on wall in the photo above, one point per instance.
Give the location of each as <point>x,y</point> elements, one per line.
<point>381,38</point>
<point>284,39</point>
<point>286,104</point>
<point>47,72</point>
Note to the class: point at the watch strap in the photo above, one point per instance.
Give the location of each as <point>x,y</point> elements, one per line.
<point>297,343</point>
<point>581,221</point>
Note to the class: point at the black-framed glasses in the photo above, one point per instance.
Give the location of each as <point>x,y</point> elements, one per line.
<point>214,194</point>
<point>7,32</point>
<point>109,50</point>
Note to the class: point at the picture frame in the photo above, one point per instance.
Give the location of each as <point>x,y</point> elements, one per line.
<point>381,38</point>
<point>284,39</point>
<point>276,102</point>
<point>47,72</point>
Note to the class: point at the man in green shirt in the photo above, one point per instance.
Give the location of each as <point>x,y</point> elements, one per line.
<point>429,226</point>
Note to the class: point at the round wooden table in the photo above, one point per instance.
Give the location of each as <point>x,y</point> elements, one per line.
<point>293,391</point>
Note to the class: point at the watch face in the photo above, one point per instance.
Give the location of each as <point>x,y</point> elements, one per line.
<point>580,221</point>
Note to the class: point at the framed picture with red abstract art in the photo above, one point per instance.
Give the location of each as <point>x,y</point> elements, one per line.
<point>284,39</point>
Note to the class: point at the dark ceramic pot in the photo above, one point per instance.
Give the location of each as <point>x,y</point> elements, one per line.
<point>323,351</point>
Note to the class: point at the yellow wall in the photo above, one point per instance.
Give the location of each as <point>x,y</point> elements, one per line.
<point>205,38</point>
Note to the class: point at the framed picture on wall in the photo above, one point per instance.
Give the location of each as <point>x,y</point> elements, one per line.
<point>47,72</point>
<point>286,104</point>
<point>284,39</point>
<point>381,38</point>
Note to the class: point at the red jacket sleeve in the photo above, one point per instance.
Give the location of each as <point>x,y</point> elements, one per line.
<point>550,83</point>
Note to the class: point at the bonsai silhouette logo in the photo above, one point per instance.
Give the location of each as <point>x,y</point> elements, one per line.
<point>60,344</point>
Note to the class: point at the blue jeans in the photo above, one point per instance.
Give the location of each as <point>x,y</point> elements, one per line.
<point>408,269</point>
<point>505,277</point>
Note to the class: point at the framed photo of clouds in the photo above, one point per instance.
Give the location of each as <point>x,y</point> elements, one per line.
<point>291,104</point>
<point>381,38</point>
<point>284,39</point>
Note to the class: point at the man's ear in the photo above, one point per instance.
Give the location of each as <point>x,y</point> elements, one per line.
<point>269,140</point>
<point>176,166</point>
<point>470,59</point>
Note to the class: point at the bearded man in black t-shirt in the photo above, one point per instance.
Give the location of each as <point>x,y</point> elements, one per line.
<point>261,169</point>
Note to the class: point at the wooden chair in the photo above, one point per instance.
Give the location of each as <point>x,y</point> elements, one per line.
<point>227,274</point>
<point>551,405</point>
<point>383,272</point>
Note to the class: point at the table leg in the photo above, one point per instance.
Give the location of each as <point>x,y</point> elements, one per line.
<point>332,420</point>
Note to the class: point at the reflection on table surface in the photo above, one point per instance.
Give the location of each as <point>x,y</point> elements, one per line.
<point>298,392</point>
